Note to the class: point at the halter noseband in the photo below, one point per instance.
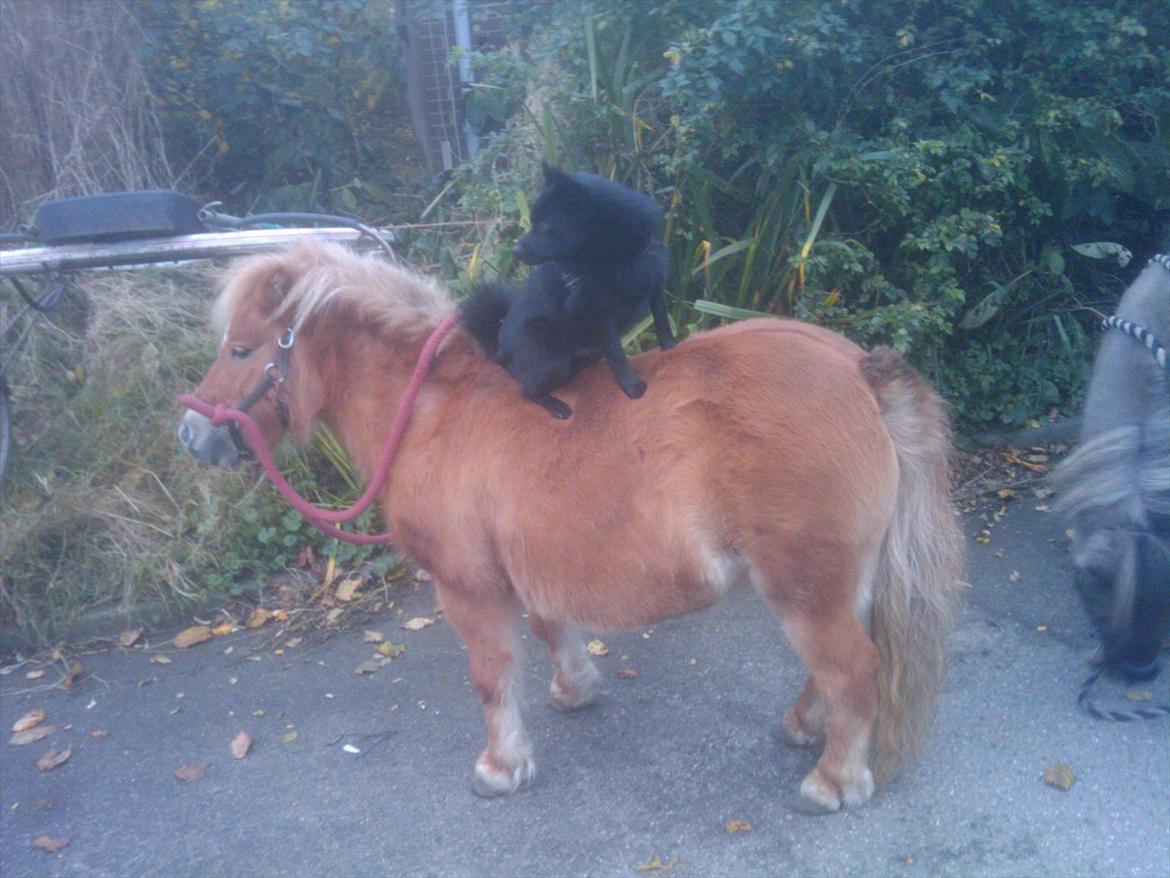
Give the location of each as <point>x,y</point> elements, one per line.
<point>274,375</point>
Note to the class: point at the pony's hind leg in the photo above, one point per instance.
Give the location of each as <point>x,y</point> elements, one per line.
<point>576,680</point>
<point>486,623</point>
<point>843,663</point>
<point>805,722</point>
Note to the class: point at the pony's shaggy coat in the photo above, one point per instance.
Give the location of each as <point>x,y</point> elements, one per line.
<point>771,452</point>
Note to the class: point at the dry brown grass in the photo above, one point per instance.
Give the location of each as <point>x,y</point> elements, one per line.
<point>78,117</point>
<point>102,508</point>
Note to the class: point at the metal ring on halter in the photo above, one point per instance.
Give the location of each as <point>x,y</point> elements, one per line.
<point>286,339</point>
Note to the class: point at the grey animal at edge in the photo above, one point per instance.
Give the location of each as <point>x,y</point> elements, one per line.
<point>1115,488</point>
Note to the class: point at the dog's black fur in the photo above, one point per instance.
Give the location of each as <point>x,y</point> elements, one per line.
<point>600,266</point>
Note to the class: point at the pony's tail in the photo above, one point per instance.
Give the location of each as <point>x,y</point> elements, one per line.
<point>482,312</point>
<point>918,576</point>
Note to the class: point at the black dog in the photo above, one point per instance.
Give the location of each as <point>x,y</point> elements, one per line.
<point>600,266</point>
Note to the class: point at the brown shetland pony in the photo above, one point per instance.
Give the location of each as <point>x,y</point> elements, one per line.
<point>769,451</point>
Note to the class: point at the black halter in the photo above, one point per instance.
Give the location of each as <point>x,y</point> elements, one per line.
<point>274,375</point>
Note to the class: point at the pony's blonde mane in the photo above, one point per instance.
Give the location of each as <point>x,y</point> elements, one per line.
<point>322,277</point>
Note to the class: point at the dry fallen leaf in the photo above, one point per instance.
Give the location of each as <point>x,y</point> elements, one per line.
<point>1139,695</point>
<point>373,637</point>
<point>160,660</point>
<point>1059,776</point>
<point>30,735</point>
<point>332,616</point>
<point>188,773</point>
<point>596,647</point>
<point>391,650</point>
<point>129,638</point>
<point>367,667</point>
<point>74,670</point>
<point>733,826</point>
<point>222,629</point>
<point>50,844</point>
<point>241,744</point>
<point>30,719</point>
<point>98,734</point>
<point>418,623</point>
<point>348,588</point>
<point>190,636</point>
<point>627,673</point>
<point>259,617</point>
<point>35,675</point>
<point>289,738</point>
<point>53,758</point>
<point>656,865</point>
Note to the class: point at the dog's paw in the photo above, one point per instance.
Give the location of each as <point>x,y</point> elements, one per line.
<point>634,389</point>
<point>556,408</point>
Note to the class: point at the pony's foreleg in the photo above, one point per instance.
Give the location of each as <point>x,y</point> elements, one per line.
<point>806,720</point>
<point>576,680</point>
<point>487,624</point>
<point>843,662</point>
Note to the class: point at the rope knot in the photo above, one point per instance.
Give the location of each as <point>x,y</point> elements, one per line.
<point>219,415</point>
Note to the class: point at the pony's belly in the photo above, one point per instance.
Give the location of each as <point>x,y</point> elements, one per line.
<point>639,596</point>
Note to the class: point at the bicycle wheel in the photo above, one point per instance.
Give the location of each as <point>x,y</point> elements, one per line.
<point>5,429</point>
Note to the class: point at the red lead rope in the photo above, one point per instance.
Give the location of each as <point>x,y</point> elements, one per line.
<point>323,519</point>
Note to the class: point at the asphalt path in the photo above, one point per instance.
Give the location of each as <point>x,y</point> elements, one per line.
<point>650,775</point>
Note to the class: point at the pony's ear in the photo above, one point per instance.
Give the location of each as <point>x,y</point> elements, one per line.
<point>276,287</point>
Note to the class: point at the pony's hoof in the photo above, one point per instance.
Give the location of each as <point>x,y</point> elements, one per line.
<point>578,692</point>
<point>860,790</point>
<point>488,782</point>
<point>795,735</point>
<point>809,808</point>
<point>818,795</point>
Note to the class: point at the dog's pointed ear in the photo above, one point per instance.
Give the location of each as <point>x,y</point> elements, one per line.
<point>554,176</point>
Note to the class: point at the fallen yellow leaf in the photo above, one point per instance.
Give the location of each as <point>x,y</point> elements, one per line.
<point>733,826</point>
<point>656,865</point>
<point>160,660</point>
<point>596,647</point>
<point>348,588</point>
<point>30,719</point>
<point>190,636</point>
<point>1059,776</point>
<point>221,630</point>
<point>259,617</point>
<point>418,623</point>
<point>391,650</point>
<point>373,637</point>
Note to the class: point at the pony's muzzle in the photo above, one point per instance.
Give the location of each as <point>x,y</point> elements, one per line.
<point>207,444</point>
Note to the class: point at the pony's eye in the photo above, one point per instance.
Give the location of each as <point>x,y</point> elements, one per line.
<point>240,353</point>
